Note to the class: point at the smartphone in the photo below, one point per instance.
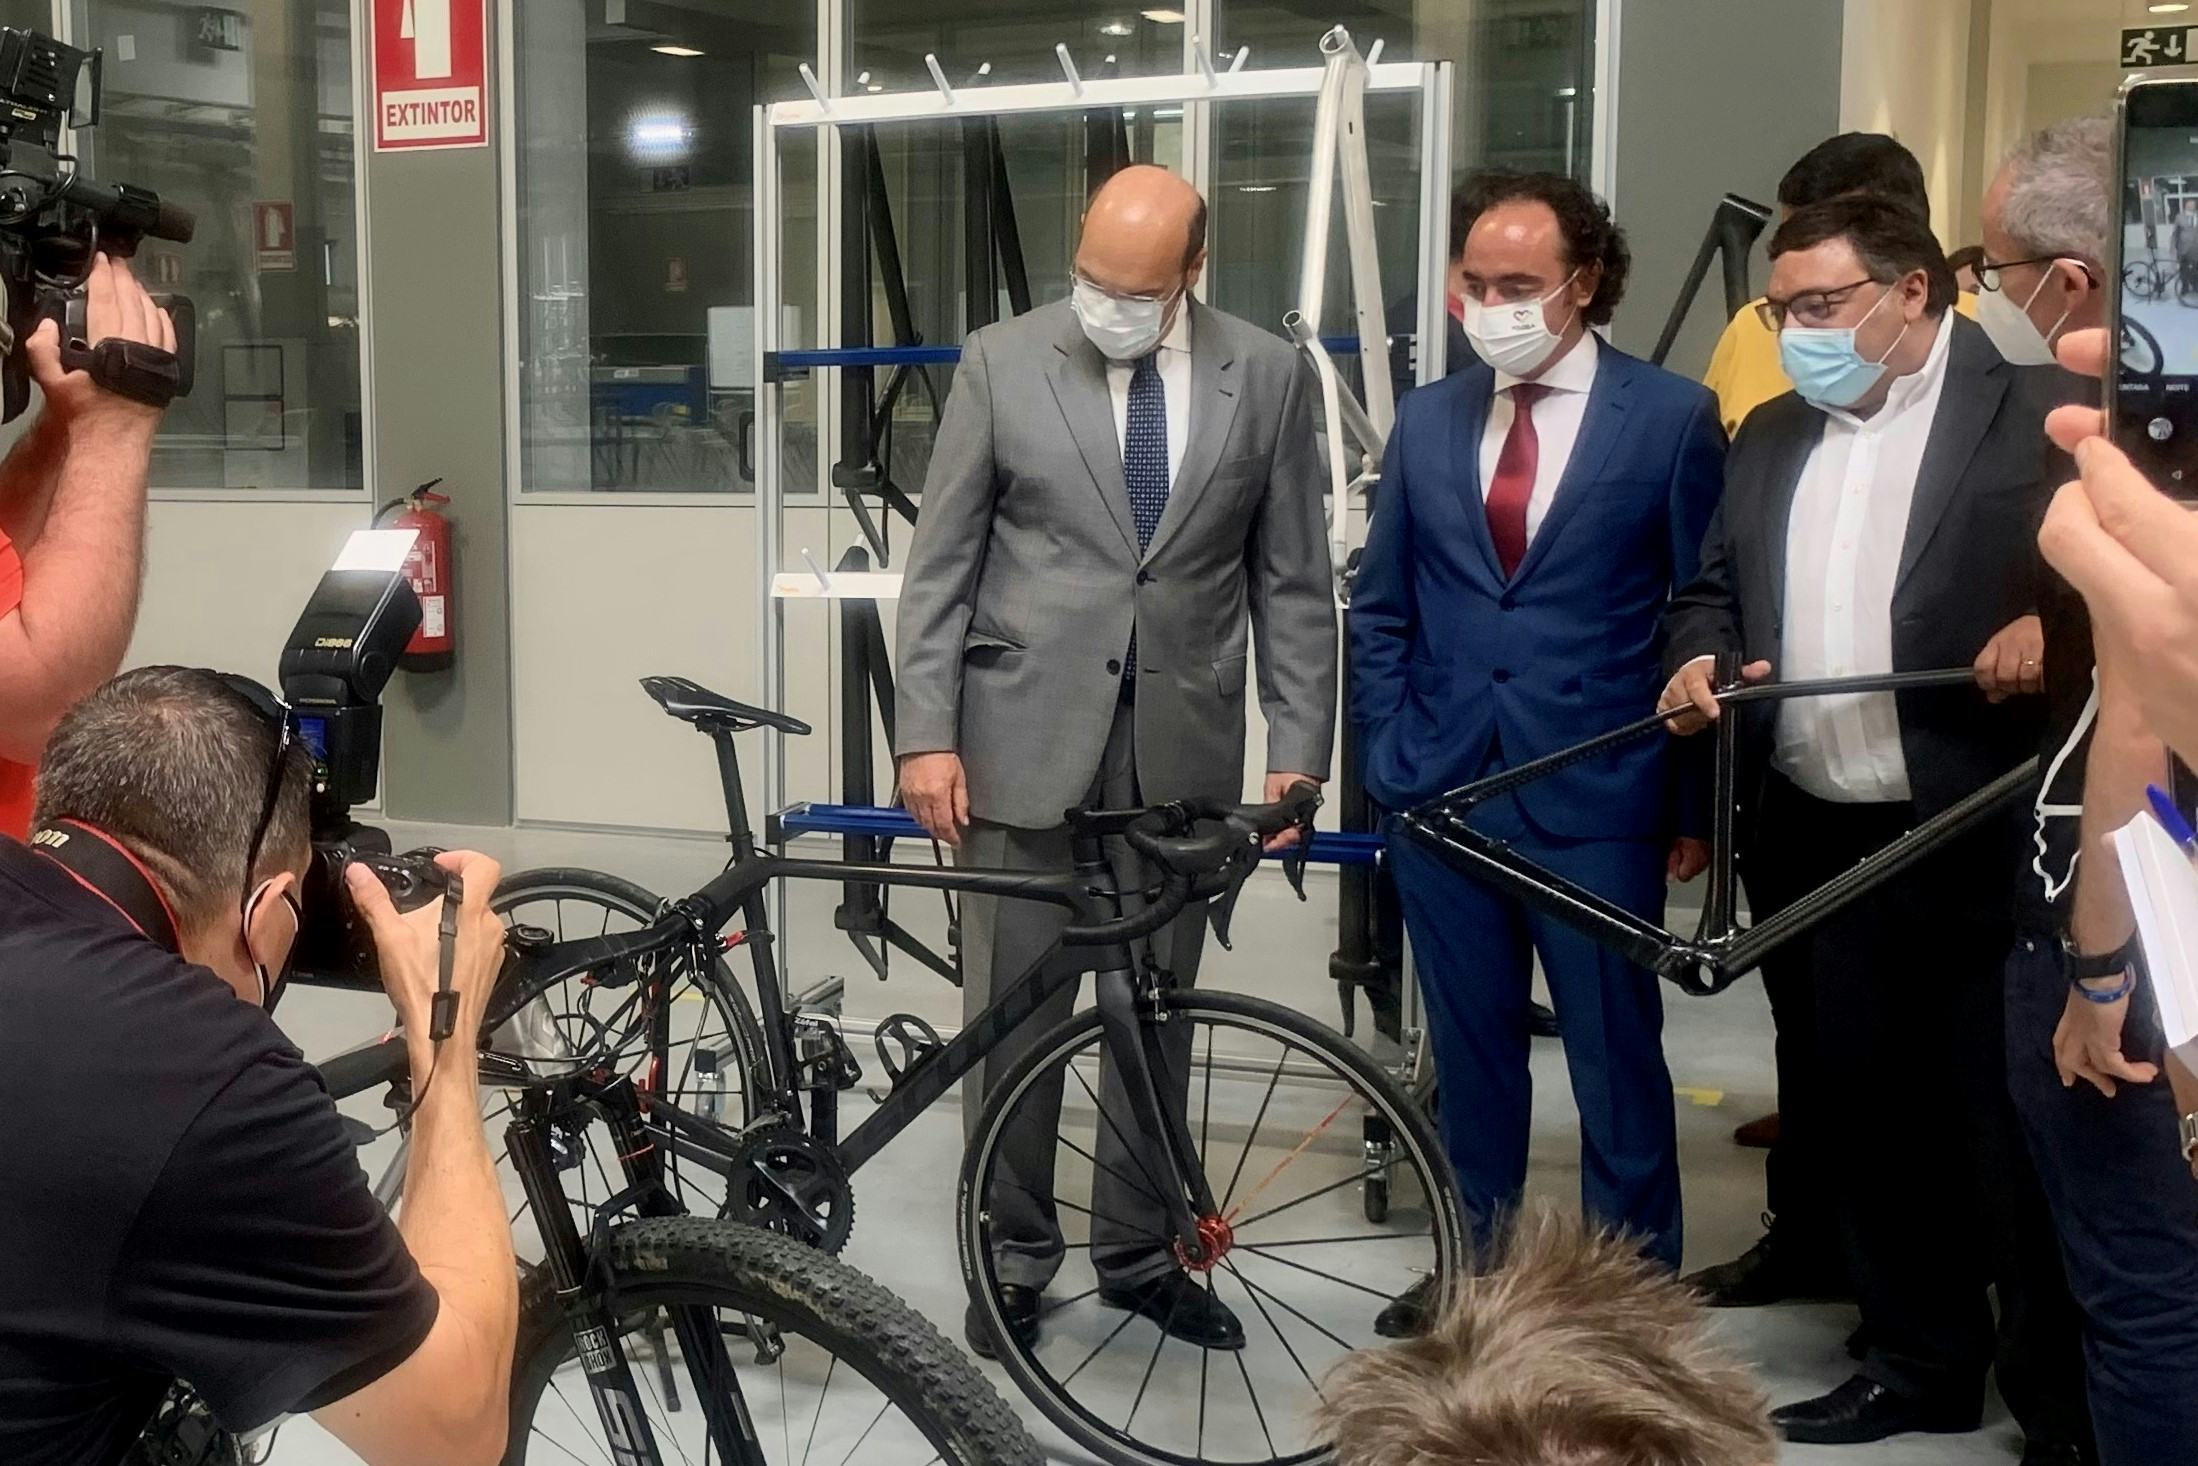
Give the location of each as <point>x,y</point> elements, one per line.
<point>2152,393</point>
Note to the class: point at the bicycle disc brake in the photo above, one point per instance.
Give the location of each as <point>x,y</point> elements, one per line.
<point>784,1180</point>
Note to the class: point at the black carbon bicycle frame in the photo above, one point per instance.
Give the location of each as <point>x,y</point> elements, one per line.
<point>1721,951</point>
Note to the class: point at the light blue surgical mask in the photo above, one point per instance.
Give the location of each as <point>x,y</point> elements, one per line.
<point>1824,365</point>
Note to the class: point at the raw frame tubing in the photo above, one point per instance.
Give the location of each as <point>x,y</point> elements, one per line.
<point>1724,956</point>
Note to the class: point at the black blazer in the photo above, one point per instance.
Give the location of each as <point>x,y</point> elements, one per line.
<point>1969,565</point>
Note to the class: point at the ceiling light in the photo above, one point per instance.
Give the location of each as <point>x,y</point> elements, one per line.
<point>872,86</point>
<point>1568,91</point>
<point>675,50</point>
<point>1164,17</point>
<point>2168,7</point>
<point>1117,28</point>
<point>660,137</point>
<point>1255,188</point>
<point>862,78</point>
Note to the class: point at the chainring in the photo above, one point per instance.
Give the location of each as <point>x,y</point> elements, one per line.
<point>784,1180</point>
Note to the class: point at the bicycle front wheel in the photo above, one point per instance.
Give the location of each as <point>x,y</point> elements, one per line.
<point>830,1366</point>
<point>1059,1183</point>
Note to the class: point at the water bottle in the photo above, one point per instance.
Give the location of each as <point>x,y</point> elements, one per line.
<point>709,1085</point>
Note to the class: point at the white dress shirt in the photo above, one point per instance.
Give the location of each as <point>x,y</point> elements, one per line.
<point>1557,419</point>
<point>1175,387</point>
<point>1843,549</point>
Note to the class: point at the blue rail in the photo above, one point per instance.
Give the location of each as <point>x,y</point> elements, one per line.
<point>878,822</point>
<point>813,358</point>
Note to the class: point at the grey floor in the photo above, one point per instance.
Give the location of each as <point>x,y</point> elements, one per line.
<point>904,1227</point>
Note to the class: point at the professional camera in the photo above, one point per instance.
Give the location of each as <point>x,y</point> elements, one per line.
<point>54,220</point>
<point>337,661</point>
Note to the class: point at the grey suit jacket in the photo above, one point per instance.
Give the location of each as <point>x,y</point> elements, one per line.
<point>1024,583</point>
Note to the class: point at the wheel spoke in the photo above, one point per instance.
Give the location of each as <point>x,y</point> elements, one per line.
<point>1154,1362</point>
<point>1259,1414</point>
<point>1085,1211</point>
<point>1315,1272</point>
<point>1285,1305</point>
<point>1275,1327</point>
<point>1205,1356</point>
<point>1258,1120</point>
<point>1327,1241</point>
<point>1127,1320</point>
<point>873,1425</point>
<point>1133,1152</point>
<point>1353,1179</point>
<point>1113,1171</point>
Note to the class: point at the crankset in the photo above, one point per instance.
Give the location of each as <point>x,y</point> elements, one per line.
<point>785,1180</point>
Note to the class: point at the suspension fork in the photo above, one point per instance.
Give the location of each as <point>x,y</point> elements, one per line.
<point>589,1311</point>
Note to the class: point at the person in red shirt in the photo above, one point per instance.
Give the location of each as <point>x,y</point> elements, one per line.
<point>72,532</point>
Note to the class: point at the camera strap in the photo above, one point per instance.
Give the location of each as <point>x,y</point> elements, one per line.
<point>103,866</point>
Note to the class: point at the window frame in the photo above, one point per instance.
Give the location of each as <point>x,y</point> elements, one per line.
<point>62,14</point>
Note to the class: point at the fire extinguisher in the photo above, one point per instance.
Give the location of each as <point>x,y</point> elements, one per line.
<point>428,567</point>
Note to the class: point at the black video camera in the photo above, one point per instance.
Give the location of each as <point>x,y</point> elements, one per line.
<point>337,661</point>
<point>54,221</point>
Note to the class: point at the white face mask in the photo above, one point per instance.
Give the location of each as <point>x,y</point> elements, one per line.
<point>2011,329</point>
<point>1513,337</point>
<point>1123,330</point>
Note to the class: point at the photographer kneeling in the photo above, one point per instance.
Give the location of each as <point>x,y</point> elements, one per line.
<point>181,1200</point>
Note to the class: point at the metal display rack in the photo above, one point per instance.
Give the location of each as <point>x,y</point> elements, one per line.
<point>1354,433</point>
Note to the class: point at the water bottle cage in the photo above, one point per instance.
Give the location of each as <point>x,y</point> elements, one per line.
<point>129,369</point>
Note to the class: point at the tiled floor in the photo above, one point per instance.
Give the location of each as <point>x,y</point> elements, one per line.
<point>904,1233</point>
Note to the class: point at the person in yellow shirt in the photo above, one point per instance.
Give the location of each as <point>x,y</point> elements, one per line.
<point>1744,372</point>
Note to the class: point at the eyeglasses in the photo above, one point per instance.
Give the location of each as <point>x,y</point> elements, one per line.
<point>1080,278</point>
<point>278,715</point>
<point>1988,271</point>
<point>1811,307</point>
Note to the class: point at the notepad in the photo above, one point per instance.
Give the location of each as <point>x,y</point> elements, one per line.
<point>2163,894</point>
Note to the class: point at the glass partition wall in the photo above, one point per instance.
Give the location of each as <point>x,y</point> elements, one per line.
<point>635,205</point>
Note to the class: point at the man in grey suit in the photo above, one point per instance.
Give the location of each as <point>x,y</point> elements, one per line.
<point>1124,488</point>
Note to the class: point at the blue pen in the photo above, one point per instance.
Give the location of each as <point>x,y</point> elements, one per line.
<point>2171,819</point>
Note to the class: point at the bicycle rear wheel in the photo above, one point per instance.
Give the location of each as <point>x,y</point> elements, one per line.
<point>862,1377</point>
<point>1276,1110</point>
<point>659,1022</point>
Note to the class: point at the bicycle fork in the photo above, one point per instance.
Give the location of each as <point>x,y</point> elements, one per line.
<point>591,1312</point>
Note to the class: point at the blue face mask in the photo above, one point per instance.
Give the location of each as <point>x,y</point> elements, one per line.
<point>1826,368</point>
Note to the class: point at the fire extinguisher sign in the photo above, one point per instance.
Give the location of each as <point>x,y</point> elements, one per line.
<point>430,74</point>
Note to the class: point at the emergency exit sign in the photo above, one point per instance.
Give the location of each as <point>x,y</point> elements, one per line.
<point>430,74</point>
<point>2157,45</point>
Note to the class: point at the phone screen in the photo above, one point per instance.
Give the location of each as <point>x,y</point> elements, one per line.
<point>2155,398</point>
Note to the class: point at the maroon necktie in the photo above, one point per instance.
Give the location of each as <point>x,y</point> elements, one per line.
<point>1513,486</point>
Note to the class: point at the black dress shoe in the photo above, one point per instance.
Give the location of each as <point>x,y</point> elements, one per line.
<point>1771,1271</point>
<point>1019,1305</point>
<point>1862,1410</point>
<point>1182,1308</point>
<point>1406,1316</point>
<point>1541,1020</point>
<point>2057,1453</point>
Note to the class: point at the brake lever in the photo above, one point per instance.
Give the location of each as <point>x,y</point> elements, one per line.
<point>1298,857</point>
<point>1224,906</point>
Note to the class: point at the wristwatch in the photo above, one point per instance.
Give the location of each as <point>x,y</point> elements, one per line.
<point>2086,967</point>
<point>2190,1136</point>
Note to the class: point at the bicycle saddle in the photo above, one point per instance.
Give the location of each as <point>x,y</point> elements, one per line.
<point>691,702</point>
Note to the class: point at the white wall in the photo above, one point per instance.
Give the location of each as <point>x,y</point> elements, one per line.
<point>225,580</point>
<point>1904,70</point>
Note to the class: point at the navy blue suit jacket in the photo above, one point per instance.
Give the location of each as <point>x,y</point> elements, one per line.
<point>1447,655</point>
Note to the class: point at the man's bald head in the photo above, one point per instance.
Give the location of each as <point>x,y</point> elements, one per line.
<point>1144,234</point>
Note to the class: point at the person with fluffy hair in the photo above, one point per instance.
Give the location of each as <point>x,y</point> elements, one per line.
<point>1570,1349</point>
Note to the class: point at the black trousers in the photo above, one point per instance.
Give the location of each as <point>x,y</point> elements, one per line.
<point>2128,1214</point>
<point>1898,1065</point>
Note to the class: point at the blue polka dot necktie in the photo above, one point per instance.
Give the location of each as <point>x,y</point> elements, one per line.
<point>1145,466</point>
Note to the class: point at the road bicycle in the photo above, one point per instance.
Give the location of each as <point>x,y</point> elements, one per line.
<point>1250,1116</point>
<point>654,1337</point>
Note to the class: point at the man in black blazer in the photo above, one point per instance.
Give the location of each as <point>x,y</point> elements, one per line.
<point>1882,519</point>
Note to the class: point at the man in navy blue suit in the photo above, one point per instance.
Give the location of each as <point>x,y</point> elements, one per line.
<point>1536,514</point>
